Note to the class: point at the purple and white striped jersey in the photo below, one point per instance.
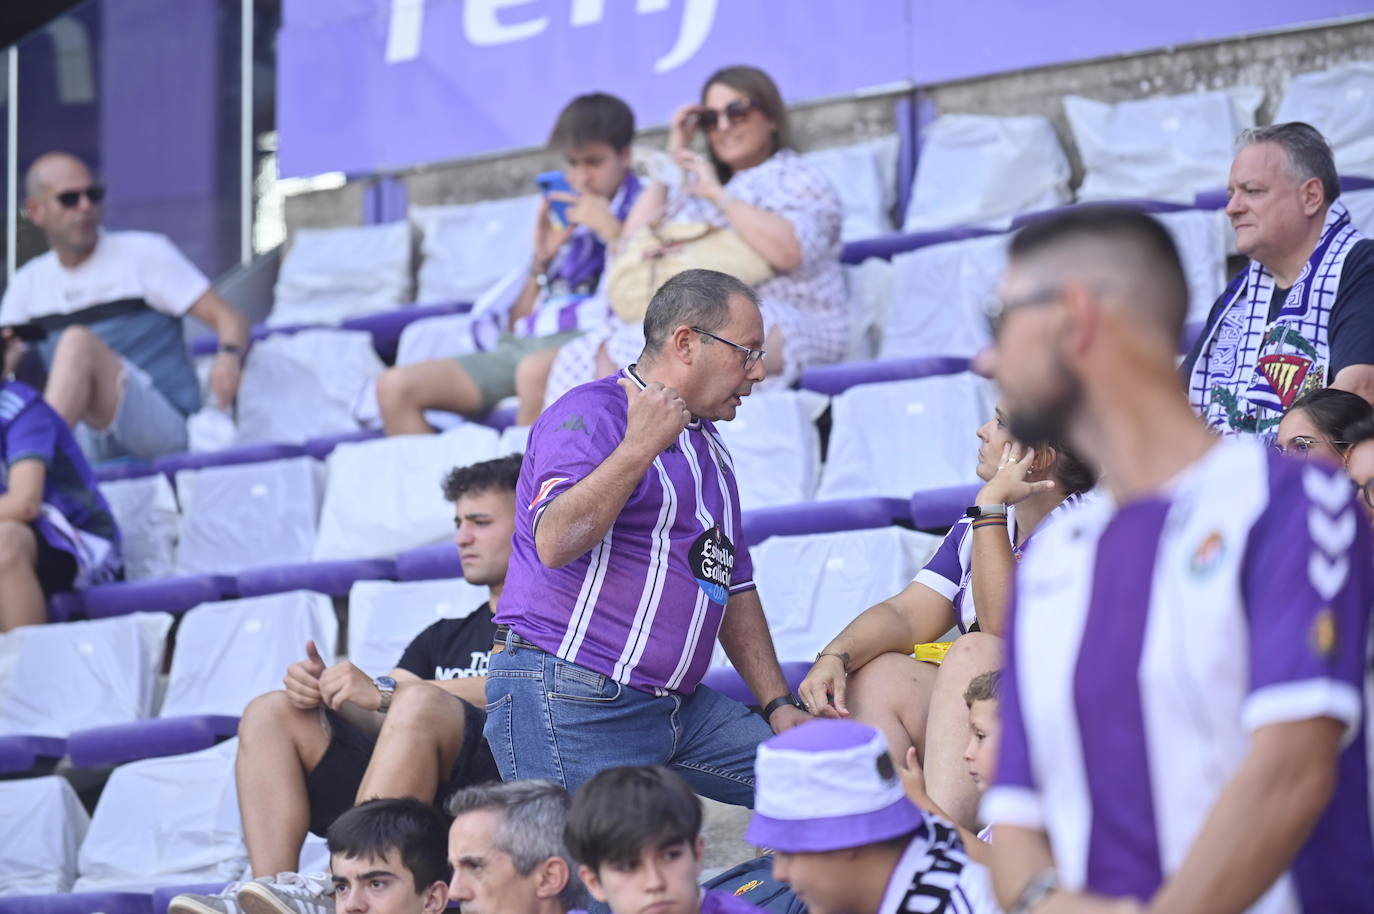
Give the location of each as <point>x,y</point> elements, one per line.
<point>644,605</point>
<point>1148,642</point>
<point>950,570</point>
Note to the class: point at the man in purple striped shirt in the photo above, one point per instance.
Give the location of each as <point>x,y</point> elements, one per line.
<point>629,560</point>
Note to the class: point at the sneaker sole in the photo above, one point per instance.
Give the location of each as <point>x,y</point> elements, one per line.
<point>191,906</point>
<point>256,898</point>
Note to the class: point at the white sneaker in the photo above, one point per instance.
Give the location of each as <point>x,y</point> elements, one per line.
<point>288,893</point>
<point>226,902</point>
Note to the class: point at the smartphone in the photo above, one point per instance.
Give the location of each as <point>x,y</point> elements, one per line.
<point>550,181</point>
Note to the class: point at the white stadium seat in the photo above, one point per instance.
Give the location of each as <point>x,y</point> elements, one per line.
<point>304,385</point>
<point>383,495</point>
<point>941,296</point>
<point>981,170</point>
<point>247,515</point>
<point>514,440</point>
<point>57,679</point>
<point>145,508</point>
<point>775,447</point>
<point>1200,236</point>
<point>330,275</point>
<point>41,829</point>
<point>1361,206</point>
<point>895,438</point>
<point>445,336</point>
<point>1162,148</point>
<point>865,176</point>
<point>467,247</point>
<point>870,289</point>
<point>1340,103</point>
<point>230,652</point>
<point>385,616</point>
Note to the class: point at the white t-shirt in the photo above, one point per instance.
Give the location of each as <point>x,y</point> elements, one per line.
<point>123,265</point>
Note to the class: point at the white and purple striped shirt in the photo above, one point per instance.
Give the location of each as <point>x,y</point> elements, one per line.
<point>644,605</point>
<point>1148,642</point>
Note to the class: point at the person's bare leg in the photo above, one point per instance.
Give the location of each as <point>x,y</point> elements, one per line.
<point>418,745</point>
<point>773,360</point>
<point>83,382</point>
<point>21,597</point>
<point>947,777</point>
<point>278,744</point>
<point>531,382</point>
<point>892,692</point>
<point>405,392</point>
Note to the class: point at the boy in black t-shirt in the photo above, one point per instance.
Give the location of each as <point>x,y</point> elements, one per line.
<point>335,736</point>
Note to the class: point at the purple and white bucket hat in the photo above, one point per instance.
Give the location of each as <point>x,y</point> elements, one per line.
<point>828,785</point>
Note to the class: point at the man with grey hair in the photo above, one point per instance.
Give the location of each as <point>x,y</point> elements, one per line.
<point>1300,316</point>
<point>506,848</point>
<point>629,559</point>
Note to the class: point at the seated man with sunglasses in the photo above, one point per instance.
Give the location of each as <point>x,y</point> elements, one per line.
<point>109,306</point>
<point>629,560</point>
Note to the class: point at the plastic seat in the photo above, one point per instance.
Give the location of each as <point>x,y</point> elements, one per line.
<point>727,681</point>
<point>775,447</point>
<point>937,510</point>
<point>385,616</point>
<point>330,275</point>
<point>21,755</point>
<point>234,456</point>
<point>305,385</point>
<point>824,517</point>
<point>427,563</point>
<point>836,379</point>
<point>333,578</point>
<point>41,829</point>
<point>167,595</point>
<point>940,298</point>
<point>145,508</point>
<point>865,177</point>
<point>79,903</point>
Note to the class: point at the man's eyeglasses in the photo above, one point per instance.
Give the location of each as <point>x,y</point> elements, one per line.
<point>1005,306</point>
<point>1301,444</point>
<point>71,198</point>
<point>751,356</point>
<point>736,111</point>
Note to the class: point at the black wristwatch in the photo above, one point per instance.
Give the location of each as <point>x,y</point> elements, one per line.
<point>230,349</point>
<point>788,699</point>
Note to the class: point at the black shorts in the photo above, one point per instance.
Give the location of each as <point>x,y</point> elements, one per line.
<point>333,784</point>
<point>56,568</point>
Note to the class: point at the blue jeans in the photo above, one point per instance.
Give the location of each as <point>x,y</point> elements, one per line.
<point>548,718</point>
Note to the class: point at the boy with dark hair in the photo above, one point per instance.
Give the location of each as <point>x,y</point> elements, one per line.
<point>335,736</point>
<point>386,857</point>
<point>549,303</point>
<point>636,831</point>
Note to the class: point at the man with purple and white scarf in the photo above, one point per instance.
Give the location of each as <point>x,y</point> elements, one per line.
<point>629,560</point>
<point>1300,316</point>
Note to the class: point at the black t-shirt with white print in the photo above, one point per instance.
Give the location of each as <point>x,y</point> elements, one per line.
<point>452,648</point>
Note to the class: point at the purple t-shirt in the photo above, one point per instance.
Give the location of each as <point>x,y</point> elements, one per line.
<point>1148,642</point>
<point>644,605</point>
<point>30,429</point>
<point>726,903</point>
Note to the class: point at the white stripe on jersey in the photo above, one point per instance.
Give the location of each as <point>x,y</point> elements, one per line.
<point>637,639</point>
<point>586,599</point>
<point>703,602</point>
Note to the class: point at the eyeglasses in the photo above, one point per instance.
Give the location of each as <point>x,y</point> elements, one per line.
<point>1367,492</point>
<point>1301,444</point>
<point>70,198</point>
<point>751,356</point>
<point>1005,306</point>
<point>736,111</point>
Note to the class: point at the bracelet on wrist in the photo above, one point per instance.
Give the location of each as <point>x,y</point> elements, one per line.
<point>843,657</point>
<point>230,349</point>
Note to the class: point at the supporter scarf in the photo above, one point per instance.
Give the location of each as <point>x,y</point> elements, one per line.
<point>1250,370</point>
<point>584,255</point>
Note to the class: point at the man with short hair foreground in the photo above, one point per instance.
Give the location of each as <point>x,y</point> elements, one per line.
<point>385,857</point>
<point>1183,704</point>
<point>629,558</point>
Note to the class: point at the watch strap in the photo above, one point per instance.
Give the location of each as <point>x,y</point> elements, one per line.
<point>788,699</point>
<point>977,511</point>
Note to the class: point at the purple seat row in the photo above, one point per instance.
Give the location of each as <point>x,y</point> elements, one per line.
<point>385,327</point>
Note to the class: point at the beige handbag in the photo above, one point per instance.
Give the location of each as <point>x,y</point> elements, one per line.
<point>655,254</point>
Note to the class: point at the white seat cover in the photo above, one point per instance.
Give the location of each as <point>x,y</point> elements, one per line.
<point>1201,241</point>
<point>330,275</point>
<point>941,297</point>
<point>145,509</point>
<point>865,176</point>
<point>385,616</point>
<point>165,821</point>
<point>40,831</point>
<point>467,247</point>
<point>444,337</point>
<point>775,447</point>
<point>383,495</point>
<point>870,289</point>
<point>248,515</point>
<point>1340,103</point>
<point>230,652</point>
<point>1162,148</point>
<point>981,170</point>
<point>304,385</point>
<point>514,440</point>
<point>1361,206</point>
<point>57,679</point>
<point>895,438</point>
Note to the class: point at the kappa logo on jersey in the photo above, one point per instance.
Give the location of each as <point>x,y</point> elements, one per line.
<point>712,559</point>
<point>545,489</point>
<point>1208,555</point>
<point>574,424</point>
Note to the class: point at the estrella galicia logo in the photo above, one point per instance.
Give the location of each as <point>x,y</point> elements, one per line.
<point>712,558</point>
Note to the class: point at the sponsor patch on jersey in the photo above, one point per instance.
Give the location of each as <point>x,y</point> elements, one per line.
<point>1208,555</point>
<point>545,489</point>
<point>749,886</point>
<point>712,558</point>
<point>1322,636</point>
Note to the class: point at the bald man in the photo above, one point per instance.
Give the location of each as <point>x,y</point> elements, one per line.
<point>111,305</point>
<point>1183,702</point>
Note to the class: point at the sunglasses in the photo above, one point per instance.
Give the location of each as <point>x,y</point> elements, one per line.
<point>751,356</point>
<point>71,198</point>
<point>736,111</point>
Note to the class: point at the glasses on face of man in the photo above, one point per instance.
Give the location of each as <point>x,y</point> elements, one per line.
<point>751,356</point>
<point>1005,306</point>
<point>71,198</point>
<point>1299,445</point>
<point>733,113</point>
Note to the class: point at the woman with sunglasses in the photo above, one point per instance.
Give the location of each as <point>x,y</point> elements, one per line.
<point>1316,424</point>
<point>751,181</point>
<point>870,671</point>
